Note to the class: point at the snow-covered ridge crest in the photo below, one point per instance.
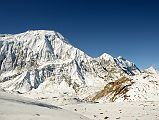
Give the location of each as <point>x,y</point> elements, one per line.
<point>40,45</point>
<point>129,67</point>
<point>106,57</point>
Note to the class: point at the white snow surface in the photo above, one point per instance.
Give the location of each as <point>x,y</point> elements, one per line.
<point>145,110</point>
<point>13,107</point>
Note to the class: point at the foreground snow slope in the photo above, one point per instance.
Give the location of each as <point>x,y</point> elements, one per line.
<point>18,108</point>
<point>13,107</point>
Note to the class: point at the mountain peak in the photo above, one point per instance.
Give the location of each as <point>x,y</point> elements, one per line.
<point>36,55</point>
<point>129,67</point>
<point>42,61</point>
<point>33,45</point>
<point>151,70</point>
<point>106,56</point>
<point>41,33</point>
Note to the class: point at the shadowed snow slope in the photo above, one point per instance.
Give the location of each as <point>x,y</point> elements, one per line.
<point>18,108</point>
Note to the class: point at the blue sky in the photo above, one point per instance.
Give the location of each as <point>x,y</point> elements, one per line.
<point>118,27</point>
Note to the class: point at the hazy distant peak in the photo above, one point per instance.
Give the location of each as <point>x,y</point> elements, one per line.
<point>151,70</point>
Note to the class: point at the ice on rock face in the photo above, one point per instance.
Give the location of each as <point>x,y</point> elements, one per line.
<point>39,52</point>
<point>129,67</point>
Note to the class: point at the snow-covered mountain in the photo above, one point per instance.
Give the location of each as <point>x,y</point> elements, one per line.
<point>42,64</point>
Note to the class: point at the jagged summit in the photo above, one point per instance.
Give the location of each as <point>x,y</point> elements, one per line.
<point>129,67</point>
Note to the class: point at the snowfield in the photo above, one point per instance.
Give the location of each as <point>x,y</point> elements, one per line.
<point>118,110</point>
<point>13,107</point>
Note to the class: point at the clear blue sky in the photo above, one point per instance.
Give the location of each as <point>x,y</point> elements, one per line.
<point>118,27</point>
